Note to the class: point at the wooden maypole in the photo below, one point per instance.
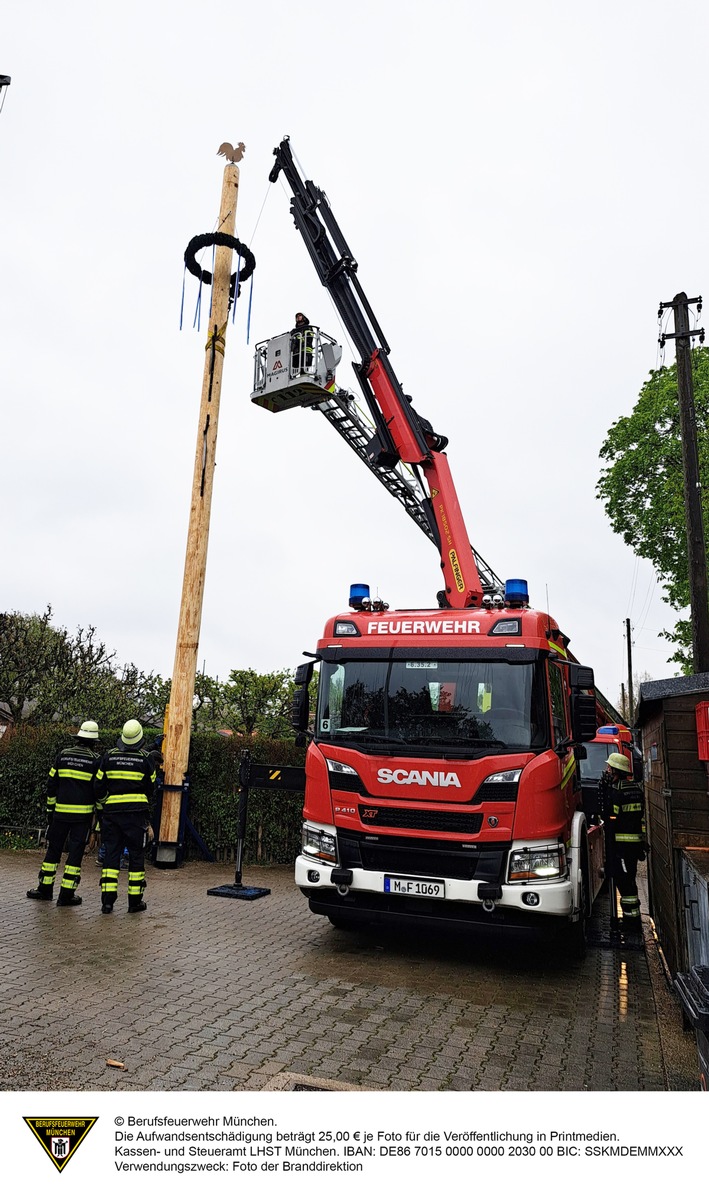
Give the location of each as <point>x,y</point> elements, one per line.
<point>179,719</point>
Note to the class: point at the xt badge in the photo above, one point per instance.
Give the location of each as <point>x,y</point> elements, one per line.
<point>60,1136</point>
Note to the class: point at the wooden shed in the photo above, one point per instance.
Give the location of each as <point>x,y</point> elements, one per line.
<point>677,805</point>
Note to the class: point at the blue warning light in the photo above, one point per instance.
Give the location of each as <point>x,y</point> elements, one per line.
<point>516,593</point>
<point>359,592</point>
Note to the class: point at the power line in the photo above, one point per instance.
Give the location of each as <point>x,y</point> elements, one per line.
<point>648,601</point>
<point>633,585</point>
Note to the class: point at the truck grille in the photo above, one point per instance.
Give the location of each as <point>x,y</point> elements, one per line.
<point>421,818</point>
<point>407,856</point>
<point>500,793</point>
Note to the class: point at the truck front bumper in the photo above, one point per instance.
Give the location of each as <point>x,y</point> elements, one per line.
<point>367,896</point>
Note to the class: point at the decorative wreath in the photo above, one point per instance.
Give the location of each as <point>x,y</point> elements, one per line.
<point>219,239</point>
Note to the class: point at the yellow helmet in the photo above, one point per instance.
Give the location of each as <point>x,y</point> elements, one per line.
<point>619,762</point>
<point>89,729</point>
<point>132,733</point>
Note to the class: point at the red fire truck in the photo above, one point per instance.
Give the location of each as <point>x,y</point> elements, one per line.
<point>442,776</point>
<point>609,739</point>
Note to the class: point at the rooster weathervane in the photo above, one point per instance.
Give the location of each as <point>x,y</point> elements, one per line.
<point>231,153</point>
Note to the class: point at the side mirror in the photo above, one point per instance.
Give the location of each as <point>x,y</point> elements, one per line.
<point>583,717</point>
<point>581,678</point>
<point>583,703</point>
<point>300,704</point>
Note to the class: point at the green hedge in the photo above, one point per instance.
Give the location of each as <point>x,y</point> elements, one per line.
<point>274,818</point>
<point>273,832</point>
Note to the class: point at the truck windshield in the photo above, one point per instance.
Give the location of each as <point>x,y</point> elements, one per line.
<point>594,764</point>
<point>465,707</point>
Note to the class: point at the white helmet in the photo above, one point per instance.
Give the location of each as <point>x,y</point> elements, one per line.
<point>89,729</point>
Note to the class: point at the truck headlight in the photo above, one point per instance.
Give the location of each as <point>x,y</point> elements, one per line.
<point>504,776</point>
<point>339,768</point>
<point>344,777</point>
<point>542,862</point>
<point>319,844</point>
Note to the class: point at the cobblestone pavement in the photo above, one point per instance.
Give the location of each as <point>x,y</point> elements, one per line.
<point>207,993</point>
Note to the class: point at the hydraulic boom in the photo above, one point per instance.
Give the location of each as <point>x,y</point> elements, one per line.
<point>400,434</point>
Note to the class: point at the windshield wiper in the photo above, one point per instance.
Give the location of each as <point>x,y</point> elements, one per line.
<point>440,740</point>
<point>487,742</point>
<point>368,735</point>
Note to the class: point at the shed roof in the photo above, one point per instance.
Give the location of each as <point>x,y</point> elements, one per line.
<point>662,689</point>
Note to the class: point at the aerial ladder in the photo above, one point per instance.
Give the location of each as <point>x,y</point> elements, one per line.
<point>397,444</point>
<point>374,812</point>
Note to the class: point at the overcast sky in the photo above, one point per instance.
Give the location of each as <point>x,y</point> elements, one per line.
<point>521,183</point>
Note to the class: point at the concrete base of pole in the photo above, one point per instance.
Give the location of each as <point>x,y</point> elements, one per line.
<point>166,855</point>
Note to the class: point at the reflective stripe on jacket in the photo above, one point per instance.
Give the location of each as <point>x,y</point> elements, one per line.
<point>627,812</point>
<point>302,342</point>
<point>70,786</point>
<point>125,780</point>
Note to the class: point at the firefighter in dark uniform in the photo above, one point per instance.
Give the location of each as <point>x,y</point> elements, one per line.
<point>70,805</point>
<point>623,806</point>
<point>124,785</point>
<point>301,344</point>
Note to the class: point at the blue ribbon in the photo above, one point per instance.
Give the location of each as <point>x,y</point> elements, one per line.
<point>236,288</point>
<point>182,301</point>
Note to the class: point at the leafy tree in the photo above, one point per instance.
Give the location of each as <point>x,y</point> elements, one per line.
<point>252,703</point>
<point>681,638</point>
<point>47,674</point>
<point>30,654</point>
<point>112,697</point>
<point>642,485</point>
<point>208,703</point>
<point>622,702</point>
<point>145,695</point>
<point>43,669</point>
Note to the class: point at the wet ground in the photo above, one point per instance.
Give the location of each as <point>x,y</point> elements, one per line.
<point>206,993</point>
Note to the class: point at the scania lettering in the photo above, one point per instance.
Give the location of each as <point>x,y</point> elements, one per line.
<point>442,774</point>
<point>434,778</point>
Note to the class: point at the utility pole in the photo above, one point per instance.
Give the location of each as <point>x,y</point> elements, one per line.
<point>696,546</point>
<point>179,722</point>
<point>630,671</point>
<point>623,705</point>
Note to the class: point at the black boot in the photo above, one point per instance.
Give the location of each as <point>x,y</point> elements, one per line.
<point>68,898</point>
<point>43,891</point>
<point>137,906</point>
<point>107,907</point>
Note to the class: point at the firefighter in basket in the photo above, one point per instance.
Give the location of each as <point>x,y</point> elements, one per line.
<point>301,345</point>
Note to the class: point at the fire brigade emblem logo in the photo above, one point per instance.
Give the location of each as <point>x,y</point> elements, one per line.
<point>60,1137</point>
